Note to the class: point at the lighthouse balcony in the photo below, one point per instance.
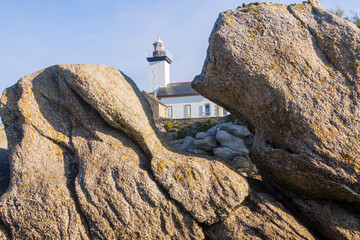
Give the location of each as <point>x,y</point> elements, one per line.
<point>159,56</point>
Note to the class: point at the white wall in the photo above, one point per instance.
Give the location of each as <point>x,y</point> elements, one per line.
<point>159,74</point>
<point>197,104</point>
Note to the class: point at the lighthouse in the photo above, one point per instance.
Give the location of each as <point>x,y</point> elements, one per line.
<point>160,60</point>
<point>178,99</point>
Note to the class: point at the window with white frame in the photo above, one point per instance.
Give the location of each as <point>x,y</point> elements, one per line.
<point>170,112</point>
<point>207,111</point>
<point>187,111</point>
<point>217,110</point>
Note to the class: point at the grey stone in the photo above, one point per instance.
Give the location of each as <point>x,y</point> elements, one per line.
<point>177,146</point>
<point>224,153</point>
<point>199,151</point>
<point>225,124</point>
<point>230,141</point>
<point>202,135</point>
<point>177,141</point>
<point>206,144</point>
<point>188,143</point>
<point>236,130</point>
<point>212,131</point>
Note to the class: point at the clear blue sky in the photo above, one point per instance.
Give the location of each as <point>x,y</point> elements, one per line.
<point>40,33</point>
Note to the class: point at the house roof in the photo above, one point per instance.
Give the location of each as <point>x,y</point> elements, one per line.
<point>176,89</point>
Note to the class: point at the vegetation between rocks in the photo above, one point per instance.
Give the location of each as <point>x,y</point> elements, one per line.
<point>184,130</point>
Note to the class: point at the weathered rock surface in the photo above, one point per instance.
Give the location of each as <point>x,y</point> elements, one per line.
<point>335,221</point>
<point>87,163</point>
<point>3,233</point>
<point>4,174</point>
<point>291,74</point>
<point>259,217</point>
<point>244,165</point>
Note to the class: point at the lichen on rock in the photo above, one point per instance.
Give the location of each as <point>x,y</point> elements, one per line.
<point>286,87</point>
<point>291,75</point>
<point>87,163</point>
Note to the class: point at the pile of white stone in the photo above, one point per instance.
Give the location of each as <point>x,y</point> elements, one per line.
<point>225,140</point>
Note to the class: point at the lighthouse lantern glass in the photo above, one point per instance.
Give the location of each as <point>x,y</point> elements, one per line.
<point>160,46</point>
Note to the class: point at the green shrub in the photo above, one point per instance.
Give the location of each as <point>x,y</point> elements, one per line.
<point>230,118</point>
<point>206,126</point>
<point>169,127</point>
<point>210,121</point>
<point>184,131</point>
<point>181,134</point>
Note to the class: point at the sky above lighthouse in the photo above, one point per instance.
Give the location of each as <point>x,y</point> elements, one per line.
<point>40,33</point>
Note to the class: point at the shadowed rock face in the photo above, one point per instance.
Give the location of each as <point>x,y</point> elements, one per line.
<point>336,220</point>
<point>4,171</point>
<point>87,163</point>
<point>291,74</point>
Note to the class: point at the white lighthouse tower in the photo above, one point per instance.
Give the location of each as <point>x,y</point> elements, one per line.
<point>160,60</point>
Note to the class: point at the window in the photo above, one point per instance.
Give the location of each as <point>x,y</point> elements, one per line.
<point>169,111</point>
<point>207,109</point>
<point>217,110</point>
<point>187,111</point>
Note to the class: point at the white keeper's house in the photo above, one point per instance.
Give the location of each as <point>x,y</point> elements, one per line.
<point>176,100</point>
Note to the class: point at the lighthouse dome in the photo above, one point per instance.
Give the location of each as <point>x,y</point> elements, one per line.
<point>159,45</point>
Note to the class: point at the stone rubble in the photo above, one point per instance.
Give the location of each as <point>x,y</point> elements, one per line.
<point>225,141</point>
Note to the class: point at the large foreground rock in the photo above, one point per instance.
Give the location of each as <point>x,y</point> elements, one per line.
<point>291,74</point>
<point>87,164</point>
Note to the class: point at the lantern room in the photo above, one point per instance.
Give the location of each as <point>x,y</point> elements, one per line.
<point>159,48</point>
